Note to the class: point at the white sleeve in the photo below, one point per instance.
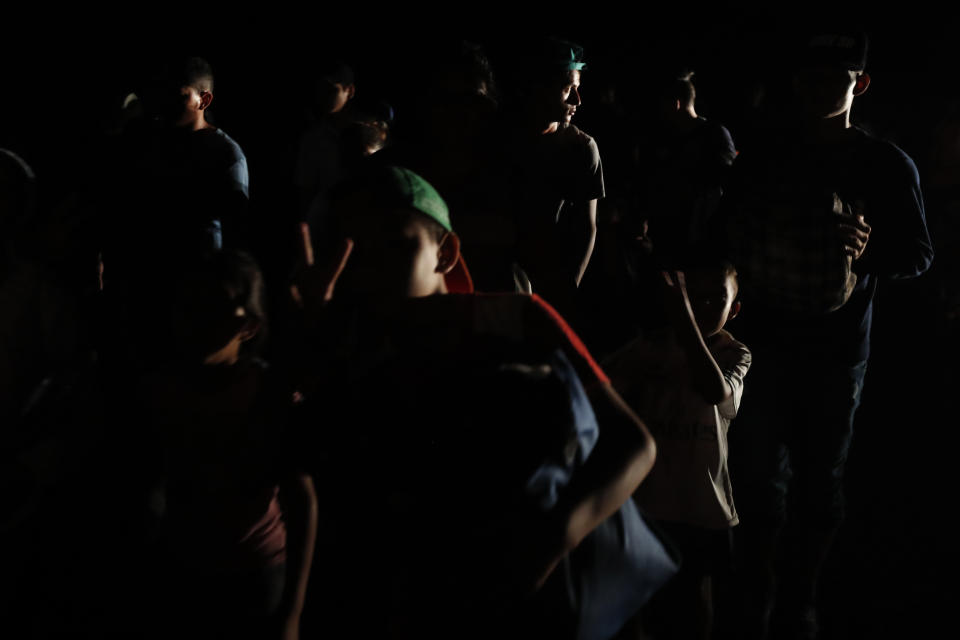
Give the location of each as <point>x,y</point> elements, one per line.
<point>734,359</point>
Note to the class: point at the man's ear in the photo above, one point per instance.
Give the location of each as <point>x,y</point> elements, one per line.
<point>734,310</point>
<point>863,81</point>
<point>449,252</point>
<point>351,91</point>
<point>206,97</point>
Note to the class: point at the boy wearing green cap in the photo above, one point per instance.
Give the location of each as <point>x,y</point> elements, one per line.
<point>479,446</point>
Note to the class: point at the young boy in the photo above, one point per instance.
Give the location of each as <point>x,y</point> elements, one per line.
<point>466,423</point>
<point>685,380</point>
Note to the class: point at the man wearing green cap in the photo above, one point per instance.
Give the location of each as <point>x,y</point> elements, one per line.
<point>557,174</point>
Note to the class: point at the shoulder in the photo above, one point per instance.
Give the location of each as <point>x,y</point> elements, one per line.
<point>579,138</point>
<point>584,147</point>
<point>886,155</point>
<point>717,133</point>
<point>728,351</point>
<point>229,144</point>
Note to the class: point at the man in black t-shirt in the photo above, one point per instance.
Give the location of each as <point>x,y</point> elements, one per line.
<point>683,163</point>
<point>558,178</point>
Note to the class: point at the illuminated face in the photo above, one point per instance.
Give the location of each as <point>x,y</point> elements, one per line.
<point>825,92</point>
<point>712,296</point>
<point>190,103</point>
<point>394,256</point>
<point>569,97</point>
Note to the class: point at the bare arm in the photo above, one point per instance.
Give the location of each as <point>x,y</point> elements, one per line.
<point>584,232</point>
<point>707,377</point>
<point>622,458</point>
<point>299,501</point>
<point>624,454</point>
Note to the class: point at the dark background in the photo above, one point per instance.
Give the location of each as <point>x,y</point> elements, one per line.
<point>894,569</point>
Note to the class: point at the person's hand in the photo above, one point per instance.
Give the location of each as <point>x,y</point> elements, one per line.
<point>523,553</point>
<point>675,291</point>
<point>854,236</point>
<point>313,285</point>
<point>676,282</point>
<point>643,240</point>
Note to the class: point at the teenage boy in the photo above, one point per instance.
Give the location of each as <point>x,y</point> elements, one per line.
<point>813,218</point>
<point>684,161</point>
<point>557,174</point>
<point>182,184</point>
<point>197,159</point>
<point>486,489</point>
<point>320,160</point>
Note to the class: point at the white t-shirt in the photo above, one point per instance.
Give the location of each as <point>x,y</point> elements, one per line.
<point>690,481</point>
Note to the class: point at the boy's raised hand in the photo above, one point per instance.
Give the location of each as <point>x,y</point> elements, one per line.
<point>313,285</point>
<point>675,288</point>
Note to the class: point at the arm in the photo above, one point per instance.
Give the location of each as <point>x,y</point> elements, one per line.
<point>707,377</point>
<point>584,237</point>
<point>622,458</point>
<point>299,500</point>
<point>900,245</point>
<point>624,454</point>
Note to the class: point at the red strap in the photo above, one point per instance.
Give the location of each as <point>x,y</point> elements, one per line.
<point>574,339</point>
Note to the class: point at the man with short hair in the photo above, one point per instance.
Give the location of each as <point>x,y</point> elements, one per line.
<point>202,161</point>
<point>180,189</point>
<point>187,179</point>
<point>684,159</point>
<point>320,156</point>
<point>813,218</point>
<point>559,177</point>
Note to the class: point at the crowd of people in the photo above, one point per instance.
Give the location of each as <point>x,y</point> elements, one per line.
<point>469,375</point>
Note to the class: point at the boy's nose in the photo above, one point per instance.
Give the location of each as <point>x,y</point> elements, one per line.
<point>574,98</point>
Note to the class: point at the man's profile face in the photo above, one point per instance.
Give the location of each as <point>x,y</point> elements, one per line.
<point>825,92</point>
<point>569,97</point>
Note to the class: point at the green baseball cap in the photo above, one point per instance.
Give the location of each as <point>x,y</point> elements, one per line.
<point>390,187</point>
<point>565,54</point>
<point>410,190</point>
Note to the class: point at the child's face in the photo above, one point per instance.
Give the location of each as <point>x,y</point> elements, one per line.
<point>394,256</point>
<point>712,295</point>
<point>206,322</point>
